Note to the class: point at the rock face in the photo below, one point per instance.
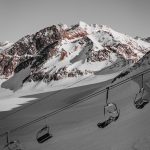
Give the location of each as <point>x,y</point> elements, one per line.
<point>59,51</point>
<point>147,39</point>
<point>27,49</point>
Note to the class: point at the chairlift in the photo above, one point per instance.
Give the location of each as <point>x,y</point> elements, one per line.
<point>43,134</point>
<point>111,111</point>
<point>139,101</point>
<point>12,145</point>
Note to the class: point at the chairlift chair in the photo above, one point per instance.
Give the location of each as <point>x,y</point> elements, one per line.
<point>12,145</point>
<point>43,134</point>
<point>111,111</point>
<point>139,100</point>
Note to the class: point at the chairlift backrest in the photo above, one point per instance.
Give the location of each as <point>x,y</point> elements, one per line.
<point>111,110</point>
<point>44,129</point>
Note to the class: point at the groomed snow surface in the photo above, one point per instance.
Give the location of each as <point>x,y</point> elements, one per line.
<point>10,99</point>
<point>75,128</point>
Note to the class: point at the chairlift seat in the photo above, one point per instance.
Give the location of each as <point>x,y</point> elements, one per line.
<point>108,121</point>
<point>43,135</point>
<point>110,109</point>
<point>104,123</point>
<point>141,103</point>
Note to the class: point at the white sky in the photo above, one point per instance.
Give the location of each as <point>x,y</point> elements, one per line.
<point>21,17</point>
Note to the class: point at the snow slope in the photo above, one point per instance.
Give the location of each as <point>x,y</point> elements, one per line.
<point>75,128</point>
<point>14,100</point>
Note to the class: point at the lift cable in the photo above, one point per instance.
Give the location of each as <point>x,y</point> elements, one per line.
<point>43,98</point>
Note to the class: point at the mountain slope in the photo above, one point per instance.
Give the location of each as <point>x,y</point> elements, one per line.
<point>60,52</point>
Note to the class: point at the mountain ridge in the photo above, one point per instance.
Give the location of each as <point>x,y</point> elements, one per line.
<point>59,52</point>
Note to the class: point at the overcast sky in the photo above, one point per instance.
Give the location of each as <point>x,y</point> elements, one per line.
<point>21,17</point>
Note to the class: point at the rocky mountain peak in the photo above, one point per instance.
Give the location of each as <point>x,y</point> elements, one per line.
<point>62,51</point>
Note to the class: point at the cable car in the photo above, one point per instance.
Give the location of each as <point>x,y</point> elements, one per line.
<point>43,134</point>
<point>139,101</point>
<point>110,111</point>
<point>12,145</point>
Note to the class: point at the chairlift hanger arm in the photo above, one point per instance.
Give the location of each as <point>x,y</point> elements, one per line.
<point>142,80</point>
<point>107,95</point>
<point>7,137</point>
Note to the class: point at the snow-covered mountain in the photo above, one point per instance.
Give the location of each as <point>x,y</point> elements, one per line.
<point>59,52</point>
<point>82,60</point>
